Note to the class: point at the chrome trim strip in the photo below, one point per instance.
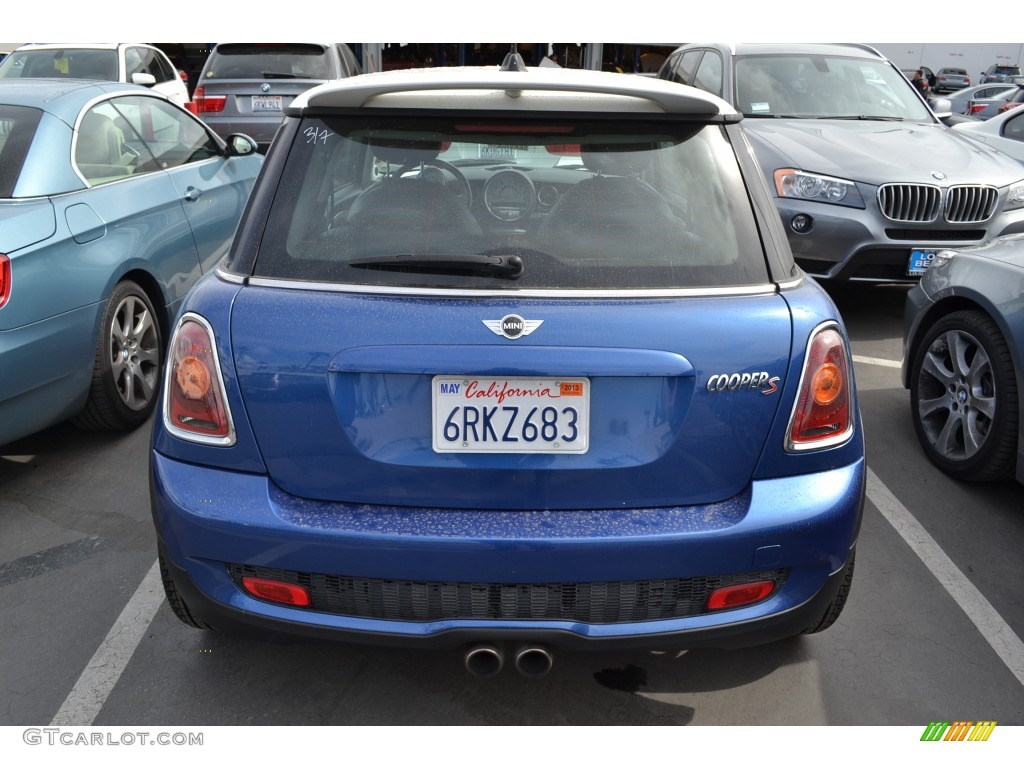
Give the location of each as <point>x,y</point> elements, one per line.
<point>540,293</point>
<point>231,277</point>
<point>790,284</point>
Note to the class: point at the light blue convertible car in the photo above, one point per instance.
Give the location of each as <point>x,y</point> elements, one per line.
<point>113,201</point>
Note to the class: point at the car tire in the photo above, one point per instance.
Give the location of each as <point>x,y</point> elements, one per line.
<point>175,599</point>
<point>831,614</point>
<point>129,357</point>
<point>964,403</point>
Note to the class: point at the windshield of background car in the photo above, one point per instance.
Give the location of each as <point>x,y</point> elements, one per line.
<point>479,202</point>
<point>17,128</point>
<point>86,63</point>
<point>266,61</point>
<point>798,85</point>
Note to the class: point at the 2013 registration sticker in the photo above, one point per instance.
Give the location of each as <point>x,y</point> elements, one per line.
<point>510,415</point>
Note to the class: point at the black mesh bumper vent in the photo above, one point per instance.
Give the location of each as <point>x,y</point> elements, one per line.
<point>594,602</point>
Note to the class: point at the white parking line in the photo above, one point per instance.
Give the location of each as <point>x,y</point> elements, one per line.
<point>103,671</point>
<point>877,361</point>
<point>997,633</point>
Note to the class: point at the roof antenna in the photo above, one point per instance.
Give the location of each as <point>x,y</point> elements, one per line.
<point>513,62</point>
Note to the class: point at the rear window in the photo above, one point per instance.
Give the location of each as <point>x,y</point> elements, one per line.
<point>266,61</point>
<point>86,63</point>
<point>1014,70</point>
<point>961,72</point>
<point>17,128</point>
<point>482,203</point>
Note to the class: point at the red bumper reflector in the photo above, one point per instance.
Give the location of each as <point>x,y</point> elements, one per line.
<point>739,594</point>
<point>277,591</point>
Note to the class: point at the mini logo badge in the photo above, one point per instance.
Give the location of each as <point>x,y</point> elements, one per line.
<point>513,326</point>
<point>265,87</point>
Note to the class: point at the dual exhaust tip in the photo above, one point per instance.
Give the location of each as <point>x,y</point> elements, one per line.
<point>488,660</point>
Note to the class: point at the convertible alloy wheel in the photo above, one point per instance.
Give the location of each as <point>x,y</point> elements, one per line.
<point>126,374</point>
<point>134,352</point>
<point>964,398</point>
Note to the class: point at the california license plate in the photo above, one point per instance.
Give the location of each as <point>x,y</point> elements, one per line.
<point>510,415</point>
<point>920,260</point>
<point>266,103</point>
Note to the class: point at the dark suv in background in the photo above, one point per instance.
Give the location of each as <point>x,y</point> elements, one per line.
<point>245,87</point>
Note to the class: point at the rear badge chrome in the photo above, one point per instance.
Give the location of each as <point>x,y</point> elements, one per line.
<point>751,382</point>
<point>513,326</point>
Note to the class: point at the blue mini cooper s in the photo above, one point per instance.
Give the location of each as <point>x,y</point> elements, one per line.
<point>509,360</point>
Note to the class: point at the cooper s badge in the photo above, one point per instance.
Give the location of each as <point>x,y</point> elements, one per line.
<point>733,382</point>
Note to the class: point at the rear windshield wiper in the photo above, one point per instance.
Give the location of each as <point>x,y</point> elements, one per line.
<point>282,75</point>
<point>508,266</point>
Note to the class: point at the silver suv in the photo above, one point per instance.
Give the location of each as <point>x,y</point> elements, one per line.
<point>1001,73</point>
<point>245,87</point>
<point>869,183</point>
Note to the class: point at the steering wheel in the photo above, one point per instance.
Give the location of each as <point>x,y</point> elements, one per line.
<point>443,169</point>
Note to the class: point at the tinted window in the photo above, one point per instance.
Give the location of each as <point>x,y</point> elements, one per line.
<point>269,60</point>
<point>709,73</point>
<point>17,127</point>
<point>583,206</point>
<point>684,67</point>
<point>87,63</point>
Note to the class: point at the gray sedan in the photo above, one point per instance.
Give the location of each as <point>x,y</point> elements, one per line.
<point>960,100</point>
<point>989,106</point>
<point>964,359</point>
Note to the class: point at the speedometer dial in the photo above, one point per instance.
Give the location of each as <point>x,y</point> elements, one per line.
<point>509,195</point>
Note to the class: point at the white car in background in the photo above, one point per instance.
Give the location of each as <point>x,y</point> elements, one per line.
<point>1004,132</point>
<point>137,63</point>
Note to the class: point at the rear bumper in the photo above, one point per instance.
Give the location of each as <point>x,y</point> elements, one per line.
<point>806,525</point>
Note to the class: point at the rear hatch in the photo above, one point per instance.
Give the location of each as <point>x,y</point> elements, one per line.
<point>351,398</point>
<point>510,312</point>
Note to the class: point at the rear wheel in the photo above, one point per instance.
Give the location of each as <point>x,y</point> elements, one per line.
<point>175,599</point>
<point>126,371</point>
<point>835,608</point>
<point>963,397</point>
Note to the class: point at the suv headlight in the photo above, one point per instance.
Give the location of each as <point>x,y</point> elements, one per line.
<point>789,182</point>
<point>1015,197</point>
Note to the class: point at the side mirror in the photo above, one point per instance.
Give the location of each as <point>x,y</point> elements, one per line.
<point>240,145</point>
<point>141,78</point>
<point>941,107</point>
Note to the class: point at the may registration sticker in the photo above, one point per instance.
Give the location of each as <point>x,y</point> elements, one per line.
<point>510,415</point>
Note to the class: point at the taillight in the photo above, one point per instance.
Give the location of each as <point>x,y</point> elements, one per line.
<point>206,103</point>
<point>5,279</point>
<point>822,415</point>
<point>975,108</point>
<point>195,405</point>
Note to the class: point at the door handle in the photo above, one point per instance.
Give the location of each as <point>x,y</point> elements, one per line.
<point>192,194</point>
